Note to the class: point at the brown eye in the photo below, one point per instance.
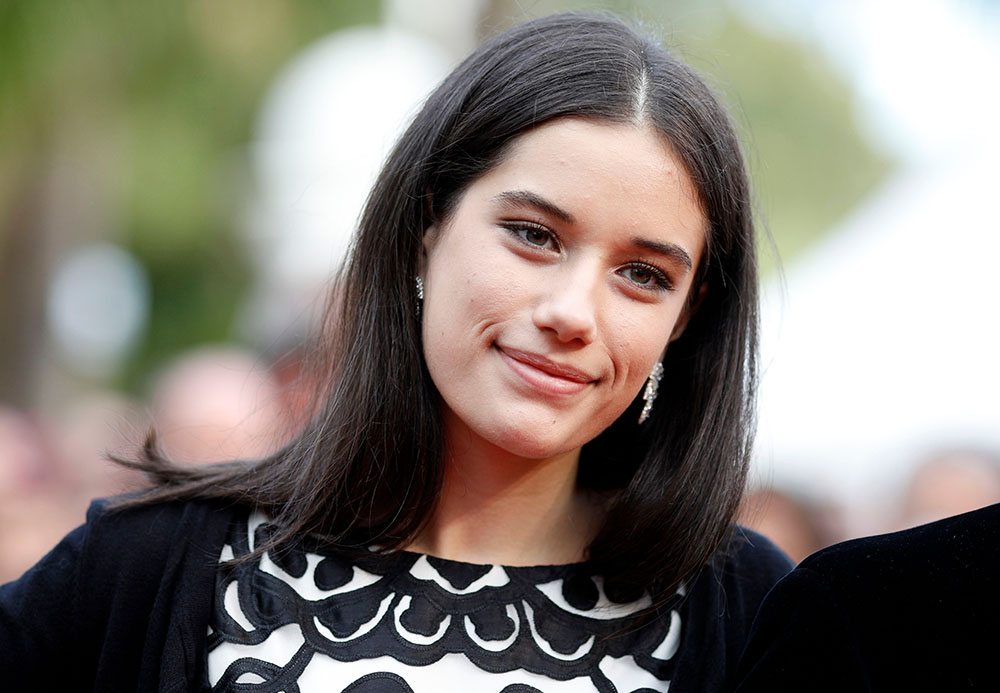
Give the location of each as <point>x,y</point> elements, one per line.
<point>535,236</point>
<point>646,277</point>
<point>639,275</point>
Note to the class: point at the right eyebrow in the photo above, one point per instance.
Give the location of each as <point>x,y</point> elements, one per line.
<point>512,198</point>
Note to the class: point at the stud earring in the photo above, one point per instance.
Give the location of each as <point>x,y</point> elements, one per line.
<point>420,292</point>
<point>652,386</point>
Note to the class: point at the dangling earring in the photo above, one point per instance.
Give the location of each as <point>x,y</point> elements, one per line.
<point>420,293</point>
<point>652,385</point>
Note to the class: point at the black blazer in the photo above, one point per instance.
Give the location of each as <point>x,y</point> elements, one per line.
<point>121,604</point>
<point>917,610</point>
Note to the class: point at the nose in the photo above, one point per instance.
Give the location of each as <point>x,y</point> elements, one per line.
<point>568,307</point>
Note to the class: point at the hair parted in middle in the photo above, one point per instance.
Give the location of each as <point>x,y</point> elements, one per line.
<point>368,467</point>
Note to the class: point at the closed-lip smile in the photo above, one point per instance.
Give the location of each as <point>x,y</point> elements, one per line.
<point>545,374</point>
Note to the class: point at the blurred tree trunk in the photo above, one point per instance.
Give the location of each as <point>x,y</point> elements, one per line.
<point>22,292</point>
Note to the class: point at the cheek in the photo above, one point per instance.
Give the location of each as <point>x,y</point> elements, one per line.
<point>471,285</point>
<point>464,296</point>
<point>637,345</point>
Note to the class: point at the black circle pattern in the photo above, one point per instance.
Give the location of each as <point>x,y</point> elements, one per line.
<point>553,622</point>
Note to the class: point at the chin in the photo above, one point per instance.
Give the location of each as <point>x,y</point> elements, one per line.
<point>532,444</point>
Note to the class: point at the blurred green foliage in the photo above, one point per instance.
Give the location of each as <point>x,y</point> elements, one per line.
<point>150,104</point>
<point>809,162</point>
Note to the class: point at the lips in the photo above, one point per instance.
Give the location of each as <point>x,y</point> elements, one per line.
<point>545,374</point>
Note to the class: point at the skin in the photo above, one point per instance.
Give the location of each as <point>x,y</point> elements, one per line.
<point>550,293</point>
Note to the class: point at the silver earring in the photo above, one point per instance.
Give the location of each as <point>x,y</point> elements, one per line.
<point>652,385</point>
<point>420,292</point>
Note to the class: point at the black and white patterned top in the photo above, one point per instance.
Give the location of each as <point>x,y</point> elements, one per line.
<point>304,619</point>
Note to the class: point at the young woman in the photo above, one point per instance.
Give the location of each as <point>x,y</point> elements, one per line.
<point>522,473</point>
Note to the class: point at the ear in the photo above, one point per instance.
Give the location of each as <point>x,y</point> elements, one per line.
<point>426,245</point>
<point>430,233</point>
<point>688,313</point>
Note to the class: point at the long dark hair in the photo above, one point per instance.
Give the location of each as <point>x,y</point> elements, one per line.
<point>367,468</point>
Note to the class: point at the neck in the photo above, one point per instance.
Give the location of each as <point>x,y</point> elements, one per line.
<point>498,508</point>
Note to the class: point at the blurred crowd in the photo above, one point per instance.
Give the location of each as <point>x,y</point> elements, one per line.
<point>225,402</point>
<point>943,483</point>
<point>210,404</point>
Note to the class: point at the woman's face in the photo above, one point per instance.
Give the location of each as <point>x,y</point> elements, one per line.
<point>557,283</point>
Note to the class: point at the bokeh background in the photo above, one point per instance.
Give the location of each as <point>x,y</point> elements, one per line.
<point>178,179</point>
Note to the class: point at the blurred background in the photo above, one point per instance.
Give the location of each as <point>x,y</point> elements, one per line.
<point>177,181</point>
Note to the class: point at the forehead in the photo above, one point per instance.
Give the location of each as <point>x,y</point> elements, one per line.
<point>606,175</point>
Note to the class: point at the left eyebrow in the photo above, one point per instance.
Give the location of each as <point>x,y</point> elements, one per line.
<point>671,250</point>
<point>526,197</point>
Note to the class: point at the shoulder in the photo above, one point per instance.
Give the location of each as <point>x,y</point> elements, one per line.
<point>963,543</point>
<point>752,559</point>
<point>147,530</point>
<point>878,609</point>
<point>743,570</point>
<point>954,558</point>
<point>720,605</point>
<point>152,571</point>
<point>156,523</point>
<point>146,545</point>
<point>131,585</point>
<point>887,578</point>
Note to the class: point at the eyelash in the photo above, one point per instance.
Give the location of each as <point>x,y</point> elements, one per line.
<point>660,280</point>
<point>659,277</point>
<point>520,230</point>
